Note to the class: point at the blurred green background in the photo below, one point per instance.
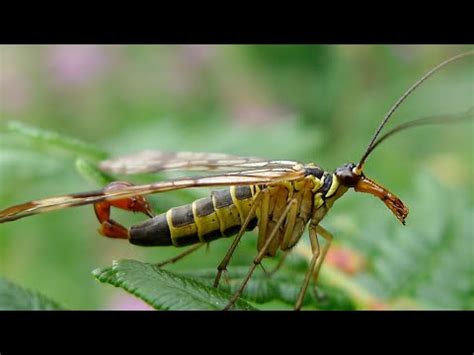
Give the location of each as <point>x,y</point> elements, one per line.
<point>309,103</point>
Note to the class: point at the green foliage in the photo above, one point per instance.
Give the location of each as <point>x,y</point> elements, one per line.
<point>46,137</point>
<point>14,297</point>
<point>163,289</point>
<point>284,287</point>
<point>432,262</point>
<point>92,173</point>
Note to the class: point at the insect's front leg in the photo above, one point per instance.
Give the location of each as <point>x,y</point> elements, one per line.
<point>328,237</point>
<point>316,261</point>
<point>109,227</point>
<point>313,237</point>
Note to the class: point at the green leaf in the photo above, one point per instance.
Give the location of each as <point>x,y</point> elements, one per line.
<point>163,289</point>
<point>14,297</point>
<point>91,172</point>
<point>45,137</point>
<point>263,288</point>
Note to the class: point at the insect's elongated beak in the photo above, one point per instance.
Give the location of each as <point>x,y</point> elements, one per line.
<point>391,201</point>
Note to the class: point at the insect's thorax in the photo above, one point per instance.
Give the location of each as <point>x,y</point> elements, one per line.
<point>314,195</point>
<point>318,189</point>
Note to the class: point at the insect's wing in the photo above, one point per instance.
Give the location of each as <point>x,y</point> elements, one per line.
<point>150,161</point>
<point>249,177</point>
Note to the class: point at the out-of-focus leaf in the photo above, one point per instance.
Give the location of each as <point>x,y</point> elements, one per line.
<point>19,164</point>
<point>432,261</point>
<point>41,136</point>
<point>163,289</point>
<point>14,297</point>
<point>92,173</point>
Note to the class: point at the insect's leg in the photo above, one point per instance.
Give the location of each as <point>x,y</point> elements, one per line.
<point>280,263</point>
<point>328,236</point>
<point>316,261</point>
<point>289,227</point>
<point>261,254</point>
<point>135,203</point>
<point>109,227</point>
<point>318,294</point>
<point>180,256</point>
<point>263,220</point>
<point>223,264</point>
<point>313,237</point>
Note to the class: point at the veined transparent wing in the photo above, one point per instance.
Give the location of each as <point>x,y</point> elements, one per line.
<point>245,177</point>
<point>150,161</point>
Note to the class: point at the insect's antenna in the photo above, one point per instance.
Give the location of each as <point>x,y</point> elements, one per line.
<point>431,120</point>
<point>401,99</point>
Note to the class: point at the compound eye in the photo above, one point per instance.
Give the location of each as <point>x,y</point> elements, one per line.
<point>347,176</point>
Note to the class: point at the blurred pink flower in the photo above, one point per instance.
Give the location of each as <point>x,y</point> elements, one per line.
<point>406,53</point>
<point>185,71</point>
<point>126,302</point>
<point>346,260</point>
<point>197,56</point>
<point>76,64</point>
<point>250,112</point>
<point>15,92</point>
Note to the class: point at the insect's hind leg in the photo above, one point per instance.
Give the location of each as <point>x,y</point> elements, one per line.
<point>109,227</point>
<point>223,264</point>
<point>180,256</point>
<point>261,254</point>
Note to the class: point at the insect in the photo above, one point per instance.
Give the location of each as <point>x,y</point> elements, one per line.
<point>280,198</point>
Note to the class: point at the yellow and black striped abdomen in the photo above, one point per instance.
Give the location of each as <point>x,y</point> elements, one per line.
<point>220,215</point>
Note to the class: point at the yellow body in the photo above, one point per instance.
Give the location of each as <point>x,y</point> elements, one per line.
<point>201,222</point>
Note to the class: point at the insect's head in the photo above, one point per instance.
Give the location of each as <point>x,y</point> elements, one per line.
<point>348,175</point>
<point>351,175</point>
